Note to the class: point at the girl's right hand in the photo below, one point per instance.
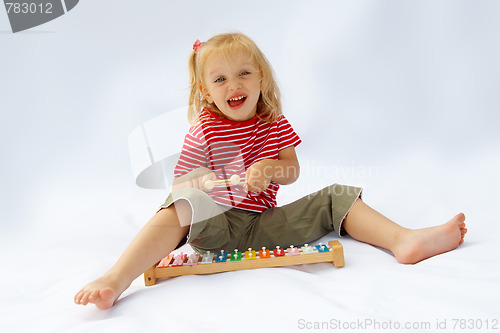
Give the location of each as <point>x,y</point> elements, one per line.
<point>194,179</point>
<point>201,176</point>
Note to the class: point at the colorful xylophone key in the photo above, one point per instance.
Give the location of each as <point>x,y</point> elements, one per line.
<point>322,248</point>
<point>236,255</point>
<point>292,250</point>
<point>307,249</point>
<point>166,261</point>
<point>264,253</point>
<point>250,254</point>
<point>207,258</point>
<point>179,260</point>
<point>193,259</point>
<point>278,252</point>
<point>221,256</point>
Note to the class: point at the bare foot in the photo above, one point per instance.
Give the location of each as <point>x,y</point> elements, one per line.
<point>103,292</point>
<point>420,244</point>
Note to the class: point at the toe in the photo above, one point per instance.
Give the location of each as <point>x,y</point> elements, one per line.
<point>106,298</point>
<point>94,295</point>
<point>78,296</point>
<point>85,298</point>
<point>106,294</point>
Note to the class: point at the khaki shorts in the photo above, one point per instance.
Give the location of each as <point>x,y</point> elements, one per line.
<point>215,227</point>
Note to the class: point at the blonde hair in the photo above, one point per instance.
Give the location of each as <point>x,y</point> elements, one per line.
<point>269,103</point>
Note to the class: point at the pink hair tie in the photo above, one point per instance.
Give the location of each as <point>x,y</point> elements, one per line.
<point>197,45</point>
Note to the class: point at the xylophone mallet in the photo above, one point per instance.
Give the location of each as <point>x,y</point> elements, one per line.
<point>233,180</point>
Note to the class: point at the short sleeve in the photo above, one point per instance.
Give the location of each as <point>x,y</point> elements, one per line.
<point>286,134</point>
<point>193,155</point>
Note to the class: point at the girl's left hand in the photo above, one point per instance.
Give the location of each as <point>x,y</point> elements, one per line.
<point>258,176</point>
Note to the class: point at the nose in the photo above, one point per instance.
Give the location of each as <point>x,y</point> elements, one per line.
<point>234,85</point>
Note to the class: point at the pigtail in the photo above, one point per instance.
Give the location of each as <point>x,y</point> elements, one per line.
<point>195,97</point>
<point>269,103</point>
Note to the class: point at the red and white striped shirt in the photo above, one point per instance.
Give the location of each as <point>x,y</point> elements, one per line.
<point>230,147</point>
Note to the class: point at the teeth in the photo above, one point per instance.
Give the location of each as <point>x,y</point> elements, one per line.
<point>236,98</point>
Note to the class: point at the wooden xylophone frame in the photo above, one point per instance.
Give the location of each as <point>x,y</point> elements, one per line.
<point>335,255</point>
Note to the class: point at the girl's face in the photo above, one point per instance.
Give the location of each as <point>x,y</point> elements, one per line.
<point>233,84</point>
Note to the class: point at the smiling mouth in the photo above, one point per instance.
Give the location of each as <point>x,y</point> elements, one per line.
<point>236,102</point>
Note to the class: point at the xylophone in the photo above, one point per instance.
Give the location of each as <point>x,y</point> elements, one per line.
<point>183,264</point>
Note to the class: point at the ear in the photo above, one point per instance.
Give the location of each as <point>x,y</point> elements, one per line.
<point>205,94</point>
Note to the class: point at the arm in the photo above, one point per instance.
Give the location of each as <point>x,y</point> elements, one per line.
<point>283,171</point>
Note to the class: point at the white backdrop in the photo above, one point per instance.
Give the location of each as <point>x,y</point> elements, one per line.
<point>401,98</point>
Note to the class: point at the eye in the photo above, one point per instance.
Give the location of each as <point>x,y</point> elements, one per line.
<point>244,73</point>
<point>220,79</point>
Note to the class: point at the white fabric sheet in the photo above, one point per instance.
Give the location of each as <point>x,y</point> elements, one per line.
<point>45,267</point>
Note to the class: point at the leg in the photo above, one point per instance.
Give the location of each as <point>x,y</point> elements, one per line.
<point>408,246</point>
<point>158,238</point>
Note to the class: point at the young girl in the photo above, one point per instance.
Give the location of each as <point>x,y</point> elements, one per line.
<point>238,129</point>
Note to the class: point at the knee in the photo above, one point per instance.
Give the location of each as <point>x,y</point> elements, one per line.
<point>176,215</point>
<point>184,212</point>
